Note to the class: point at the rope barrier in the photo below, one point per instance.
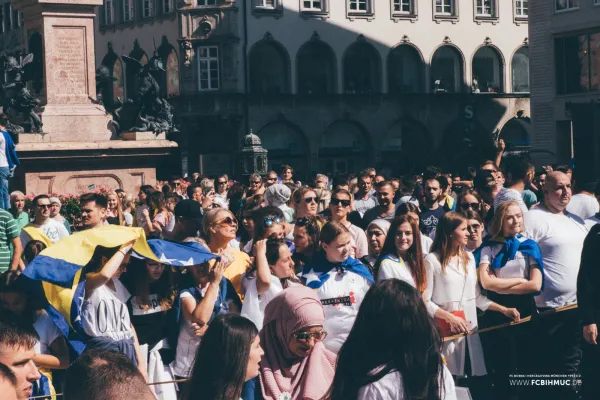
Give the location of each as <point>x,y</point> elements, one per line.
<point>446,339</point>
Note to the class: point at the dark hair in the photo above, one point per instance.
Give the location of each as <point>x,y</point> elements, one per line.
<point>38,197</point>
<point>470,214</point>
<point>3,120</point>
<point>191,189</point>
<point>100,374</point>
<point>32,249</point>
<point>285,167</point>
<point>414,256</point>
<point>363,174</point>
<point>474,193</point>
<point>174,196</point>
<point>235,195</point>
<point>18,286</point>
<point>518,166</point>
<point>99,252</point>
<point>146,189</point>
<point>565,169</point>
<point>340,180</point>
<point>98,198</point>
<point>341,191</point>
<point>406,208</point>
<point>443,182</point>
<point>331,231</point>
<point>273,245</point>
<point>156,203</point>
<point>431,172</point>
<point>260,215</point>
<point>313,225</point>
<point>391,309</point>
<point>442,243</point>
<point>136,281</point>
<point>15,333</point>
<point>7,375</point>
<point>220,367</point>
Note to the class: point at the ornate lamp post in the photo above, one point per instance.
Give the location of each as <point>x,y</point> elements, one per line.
<point>253,157</point>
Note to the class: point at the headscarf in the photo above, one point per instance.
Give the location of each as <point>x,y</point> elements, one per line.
<point>382,224</point>
<point>282,371</point>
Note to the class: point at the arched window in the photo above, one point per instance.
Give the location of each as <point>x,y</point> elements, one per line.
<point>286,145</point>
<point>118,84</point>
<point>520,71</point>
<point>344,148</point>
<point>269,68</point>
<point>172,68</point>
<point>488,71</point>
<point>362,69</point>
<point>406,146</point>
<point>316,68</point>
<point>515,134</point>
<point>405,70</point>
<point>447,70</point>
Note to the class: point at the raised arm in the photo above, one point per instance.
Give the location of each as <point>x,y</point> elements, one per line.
<point>263,272</point>
<point>94,280</point>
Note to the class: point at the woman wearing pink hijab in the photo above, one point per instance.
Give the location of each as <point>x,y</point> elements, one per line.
<point>296,364</point>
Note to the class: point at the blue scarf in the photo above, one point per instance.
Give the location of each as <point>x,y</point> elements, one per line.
<point>315,274</point>
<point>508,252</point>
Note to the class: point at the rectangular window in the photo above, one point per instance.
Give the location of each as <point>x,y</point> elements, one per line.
<point>207,2</point>
<point>167,6</point>
<point>7,12</point>
<point>208,67</point>
<point>403,7</point>
<point>1,20</point>
<point>445,7</point>
<point>357,6</point>
<point>109,12</point>
<point>311,5</point>
<point>15,18</point>
<point>521,8</point>
<point>485,8</point>
<point>128,14</point>
<point>148,10</point>
<point>562,5</point>
<point>577,61</point>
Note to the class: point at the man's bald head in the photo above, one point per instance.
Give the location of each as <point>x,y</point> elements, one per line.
<point>99,375</point>
<point>557,191</point>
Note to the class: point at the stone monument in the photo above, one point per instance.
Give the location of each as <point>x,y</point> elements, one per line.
<point>253,157</point>
<point>77,149</point>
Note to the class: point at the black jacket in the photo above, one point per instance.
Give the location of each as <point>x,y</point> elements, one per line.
<point>588,280</point>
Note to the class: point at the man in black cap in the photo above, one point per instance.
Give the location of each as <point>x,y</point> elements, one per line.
<point>188,220</point>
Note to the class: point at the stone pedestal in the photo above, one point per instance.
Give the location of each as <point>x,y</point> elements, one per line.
<point>77,150</point>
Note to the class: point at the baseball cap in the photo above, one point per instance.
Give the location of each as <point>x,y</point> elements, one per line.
<point>188,209</point>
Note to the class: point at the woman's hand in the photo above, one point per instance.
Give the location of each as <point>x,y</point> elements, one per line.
<point>260,247</point>
<point>590,333</point>
<point>199,330</point>
<point>127,247</point>
<point>145,212</point>
<point>512,313</point>
<point>457,324</point>
<point>216,274</point>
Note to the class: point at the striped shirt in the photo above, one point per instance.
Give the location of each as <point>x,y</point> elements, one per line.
<point>8,231</point>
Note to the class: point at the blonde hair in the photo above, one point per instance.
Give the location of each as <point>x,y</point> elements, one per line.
<point>442,244</point>
<point>495,228</point>
<point>119,208</point>
<point>209,219</point>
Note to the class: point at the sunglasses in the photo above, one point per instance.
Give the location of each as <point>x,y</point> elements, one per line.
<point>466,206</point>
<point>305,336</point>
<point>227,221</point>
<point>255,182</point>
<point>337,202</point>
<point>44,205</point>
<point>222,183</point>
<point>271,220</point>
<point>271,179</point>
<point>308,200</point>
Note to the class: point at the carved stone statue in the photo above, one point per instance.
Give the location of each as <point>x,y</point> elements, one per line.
<point>186,46</point>
<point>18,103</point>
<point>152,111</point>
<point>104,81</point>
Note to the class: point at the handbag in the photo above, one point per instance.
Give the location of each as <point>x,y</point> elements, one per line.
<point>444,326</point>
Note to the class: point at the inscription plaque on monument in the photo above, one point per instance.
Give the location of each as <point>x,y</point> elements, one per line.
<point>68,62</point>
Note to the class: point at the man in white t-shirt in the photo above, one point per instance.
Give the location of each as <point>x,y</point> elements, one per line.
<point>53,229</point>
<point>584,204</point>
<point>560,236</point>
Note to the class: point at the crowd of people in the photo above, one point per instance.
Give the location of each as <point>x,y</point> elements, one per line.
<point>351,287</point>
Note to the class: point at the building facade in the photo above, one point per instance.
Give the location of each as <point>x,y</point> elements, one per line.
<point>565,80</point>
<point>397,84</point>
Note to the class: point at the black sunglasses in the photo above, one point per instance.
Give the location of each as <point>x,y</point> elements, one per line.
<point>271,179</point>
<point>336,202</point>
<point>222,183</point>
<point>271,220</point>
<point>308,200</point>
<point>44,205</point>
<point>466,206</point>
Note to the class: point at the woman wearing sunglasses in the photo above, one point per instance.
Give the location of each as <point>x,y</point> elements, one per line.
<point>471,200</point>
<point>274,272</point>
<point>374,365</point>
<point>511,270</point>
<point>340,206</point>
<point>295,361</point>
<point>401,256</point>
<point>305,202</point>
<point>476,230</point>
<point>339,280</point>
<point>219,228</point>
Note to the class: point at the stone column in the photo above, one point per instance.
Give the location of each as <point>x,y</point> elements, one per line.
<point>69,87</point>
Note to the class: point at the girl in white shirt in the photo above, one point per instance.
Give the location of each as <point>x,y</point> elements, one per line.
<point>274,272</point>
<point>401,257</point>
<point>413,211</point>
<point>374,365</point>
<point>452,288</point>
<point>510,269</point>
<point>340,206</point>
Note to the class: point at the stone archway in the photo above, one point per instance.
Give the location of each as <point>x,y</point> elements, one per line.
<point>286,144</point>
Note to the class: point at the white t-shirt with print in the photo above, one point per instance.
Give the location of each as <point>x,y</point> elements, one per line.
<point>341,296</point>
<point>47,331</point>
<point>105,313</point>
<point>53,229</point>
<point>515,268</point>
<point>560,237</point>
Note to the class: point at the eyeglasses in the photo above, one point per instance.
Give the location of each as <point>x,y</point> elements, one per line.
<point>466,206</point>
<point>222,183</point>
<point>271,220</point>
<point>308,200</point>
<point>227,221</point>
<point>305,336</point>
<point>255,182</point>
<point>272,179</point>
<point>44,205</point>
<point>372,176</point>
<point>336,202</point>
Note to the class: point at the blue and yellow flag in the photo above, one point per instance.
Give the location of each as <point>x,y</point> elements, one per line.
<point>59,268</point>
